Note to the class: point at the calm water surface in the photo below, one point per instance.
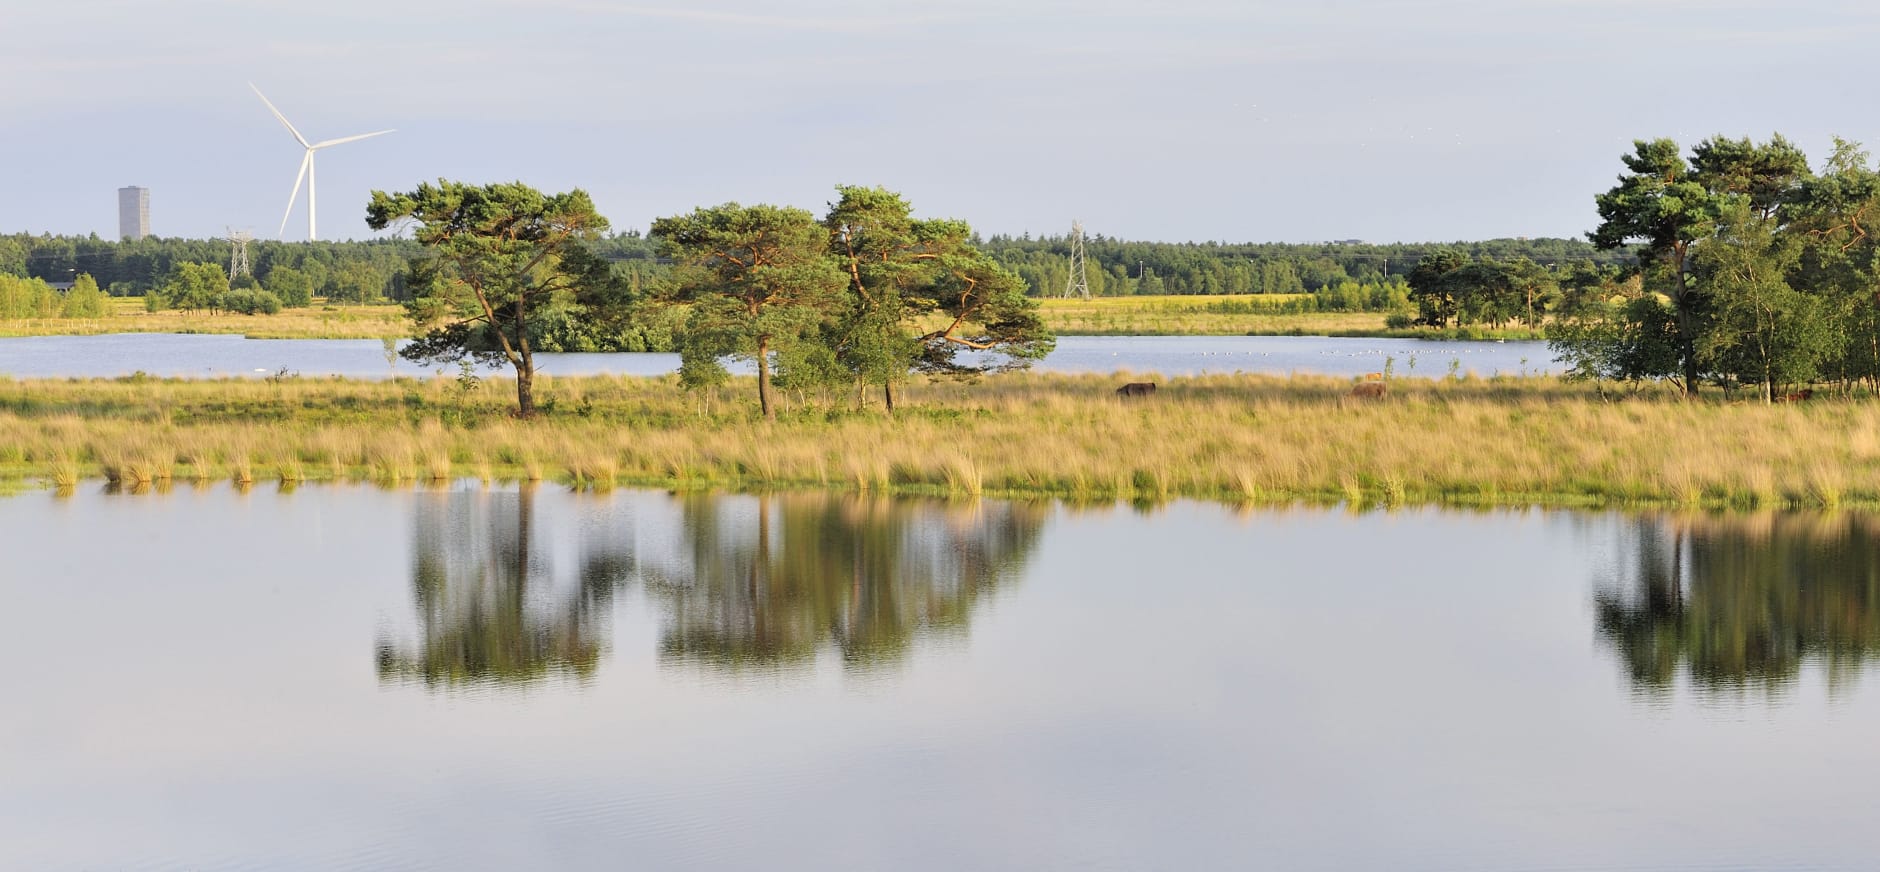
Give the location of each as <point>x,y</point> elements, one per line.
<point>352,678</point>
<point>169,354</point>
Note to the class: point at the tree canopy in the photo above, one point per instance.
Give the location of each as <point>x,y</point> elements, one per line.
<point>757,279</point>
<point>921,293</point>
<point>497,258</point>
<point>865,296</point>
<point>1757,272</point>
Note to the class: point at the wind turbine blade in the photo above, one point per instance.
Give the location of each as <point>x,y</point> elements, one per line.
<point>296,194</point>
<point>345,139</point>
<point>279,116</point>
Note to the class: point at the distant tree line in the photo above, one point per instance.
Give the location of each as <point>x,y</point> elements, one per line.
<point>192,275</point>
<point>1452,289</point>
<point>349,271</point>
<point>370,270</point>
<point>1122,268</point>
<point>1756,270</point>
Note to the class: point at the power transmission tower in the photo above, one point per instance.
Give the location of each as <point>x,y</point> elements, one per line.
<point>1079,285</point>
<point>238,259</point>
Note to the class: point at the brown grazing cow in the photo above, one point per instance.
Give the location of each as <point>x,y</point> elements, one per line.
<point>1369,390</point>
<point>1136,389</point>
<point>1801,396</point>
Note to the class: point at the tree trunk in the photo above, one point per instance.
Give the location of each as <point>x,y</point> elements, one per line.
<point>524,358</point>
<point>763,378</point>
<point>1687,328</point>
<point>525,390</point>
<point>887,394</point>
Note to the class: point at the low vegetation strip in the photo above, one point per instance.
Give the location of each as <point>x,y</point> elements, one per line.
<point>1239,438</point>
<point>323,321</point>
<point>1127,316</point>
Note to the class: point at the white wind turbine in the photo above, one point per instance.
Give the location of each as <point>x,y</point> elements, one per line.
<point>306,165</point>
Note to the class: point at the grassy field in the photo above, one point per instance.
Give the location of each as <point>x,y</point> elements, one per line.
<point>1229,315</point>
<point>1233,315</point>
<point>1238,438</point>
<point>1197,316</point>
<point>320,321</point>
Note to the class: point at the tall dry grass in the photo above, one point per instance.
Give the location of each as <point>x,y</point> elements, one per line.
<point>1189,316</point>
<point>319,321</point>
<point>1237,438</point>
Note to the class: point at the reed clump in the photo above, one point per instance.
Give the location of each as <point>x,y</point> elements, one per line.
<point>1236,438</point>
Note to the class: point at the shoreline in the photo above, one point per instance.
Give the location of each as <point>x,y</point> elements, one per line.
<point>1500,442</point>
<point>1110,316</point>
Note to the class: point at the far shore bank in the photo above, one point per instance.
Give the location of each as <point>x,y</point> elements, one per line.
<point>1110,316</point>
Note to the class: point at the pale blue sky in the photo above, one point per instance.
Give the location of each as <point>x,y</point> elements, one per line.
<point>1184,119</point>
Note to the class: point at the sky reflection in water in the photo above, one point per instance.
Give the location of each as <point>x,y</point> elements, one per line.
<point>350,678</point>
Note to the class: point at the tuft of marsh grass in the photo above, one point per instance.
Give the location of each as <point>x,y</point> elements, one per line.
<point>1393,491</point>
<point>289,473</point>
<point>64,476</point>
<point>1352,491</point>
<point>963,477</point>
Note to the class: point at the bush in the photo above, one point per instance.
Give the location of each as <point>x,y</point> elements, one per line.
<point>355,283</point>
<point>293,286</point>
<point>84,300</point>
<point>250,302</point>
<point>195,285</point>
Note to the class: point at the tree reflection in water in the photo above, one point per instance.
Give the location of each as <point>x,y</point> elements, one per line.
<point>775,580</point>
<point>1742,602</point>
<point>748,581</point>
<point>491,609</point>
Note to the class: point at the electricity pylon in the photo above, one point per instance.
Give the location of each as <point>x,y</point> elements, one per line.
<point>1079,284</point>
<point>238,258</point>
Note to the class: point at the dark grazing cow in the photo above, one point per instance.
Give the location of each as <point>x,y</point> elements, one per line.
<point>1136,389</point>
<point>1369,389</point>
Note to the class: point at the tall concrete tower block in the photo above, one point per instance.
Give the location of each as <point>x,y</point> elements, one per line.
<point>133,213</point>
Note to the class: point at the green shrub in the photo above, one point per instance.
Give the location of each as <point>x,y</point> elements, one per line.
<point>84,300</point>
<point>250,302</point>
<point>294,287</point>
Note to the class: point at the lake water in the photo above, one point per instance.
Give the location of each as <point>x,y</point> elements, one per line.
<point>203,356</point>
<point>350,678</point>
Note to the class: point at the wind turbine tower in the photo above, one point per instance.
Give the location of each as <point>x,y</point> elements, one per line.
<point>306,167</point>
